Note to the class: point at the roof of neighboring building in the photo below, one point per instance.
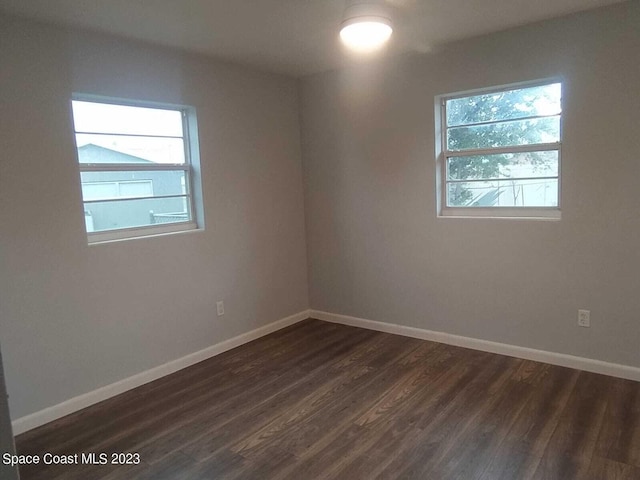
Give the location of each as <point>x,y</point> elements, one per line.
<point>91,153</point>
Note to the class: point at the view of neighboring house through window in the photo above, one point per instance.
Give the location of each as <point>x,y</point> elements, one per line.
<point>501,152</point>
<point>135,168</point>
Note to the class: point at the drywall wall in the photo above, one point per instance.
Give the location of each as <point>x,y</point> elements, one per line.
<point>376,249</point>
<point>75,317</point>
<point>7,445</point>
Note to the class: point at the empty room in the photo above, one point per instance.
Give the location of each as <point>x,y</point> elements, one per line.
<point>323,239</point>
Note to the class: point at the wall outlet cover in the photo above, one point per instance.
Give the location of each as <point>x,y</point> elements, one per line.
<point>584,318</point>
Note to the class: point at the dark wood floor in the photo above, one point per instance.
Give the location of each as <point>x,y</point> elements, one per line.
<point>318,400</point>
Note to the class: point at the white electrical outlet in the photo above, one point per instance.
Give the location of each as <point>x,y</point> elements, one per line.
<point>220,307</point>
<point>584,318</point>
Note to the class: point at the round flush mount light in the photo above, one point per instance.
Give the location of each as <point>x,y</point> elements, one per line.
<point>365,27</point>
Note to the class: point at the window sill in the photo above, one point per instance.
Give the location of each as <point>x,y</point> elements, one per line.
<point>537,214</point>
<point>125,234</point>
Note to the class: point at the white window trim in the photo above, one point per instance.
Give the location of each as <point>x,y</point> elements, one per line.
<point>191,168</point>
<point>140,232</point>
<point>516,213</point>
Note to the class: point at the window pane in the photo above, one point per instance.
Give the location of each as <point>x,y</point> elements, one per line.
<point>99,190</point>
<point>508,165</point>
<point>119,149</point>
<point>519,132</point>
<point>504,193</point>
<point>91,117</point>
<point>507,105</point>
<point>106,185</point>
<point>142,188</point>
<point>112,215</point>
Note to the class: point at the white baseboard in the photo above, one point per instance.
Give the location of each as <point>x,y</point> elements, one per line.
<point>560,359</point>
<point>74,404</point>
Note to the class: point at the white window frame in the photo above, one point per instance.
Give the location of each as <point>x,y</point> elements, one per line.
<point>442,154</point>
<point>193,194</point>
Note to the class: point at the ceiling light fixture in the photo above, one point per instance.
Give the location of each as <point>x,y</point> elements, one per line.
<point>365,26</point>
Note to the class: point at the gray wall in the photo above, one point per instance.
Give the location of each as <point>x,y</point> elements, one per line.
<point>6,436</point>
<point>74,318</point>
<point>375,247</point>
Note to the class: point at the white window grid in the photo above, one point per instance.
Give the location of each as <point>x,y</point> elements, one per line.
<point>186,167</point>
<point>445,210</point>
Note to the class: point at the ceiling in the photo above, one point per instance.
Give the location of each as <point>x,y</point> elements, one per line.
<point>295,37</point>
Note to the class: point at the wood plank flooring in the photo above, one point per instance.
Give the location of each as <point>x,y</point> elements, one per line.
<point>318,400</point>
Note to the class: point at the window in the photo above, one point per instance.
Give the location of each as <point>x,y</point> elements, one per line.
<point>500,152</point>
<point>136,167</point>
